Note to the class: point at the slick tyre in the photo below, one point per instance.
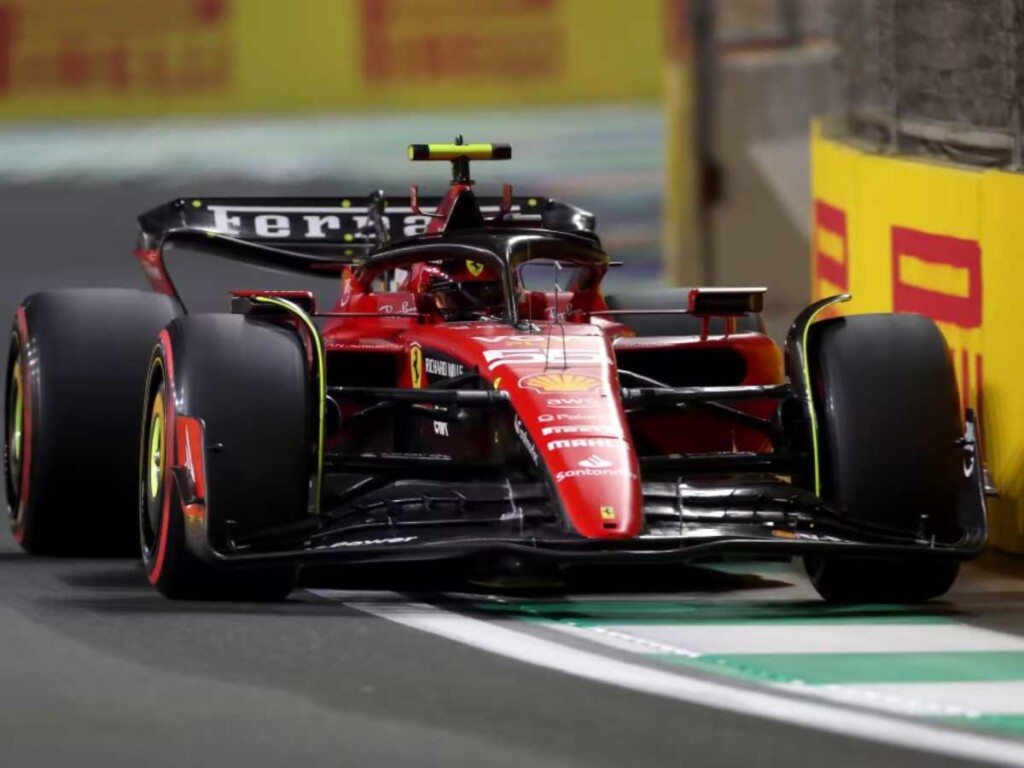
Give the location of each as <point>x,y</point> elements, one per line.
<point>889,420</point>
<point>228,413</point>
<point>851,580</point>
<point>76,373</point>
<point>675,324</point>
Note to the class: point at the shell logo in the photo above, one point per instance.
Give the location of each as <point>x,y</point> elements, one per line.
<point>559,382</point>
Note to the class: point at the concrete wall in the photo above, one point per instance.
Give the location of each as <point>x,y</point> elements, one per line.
<point>761,227</point>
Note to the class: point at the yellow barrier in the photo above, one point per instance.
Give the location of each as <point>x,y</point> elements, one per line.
<point>916,236</point>
<point>68,58</point>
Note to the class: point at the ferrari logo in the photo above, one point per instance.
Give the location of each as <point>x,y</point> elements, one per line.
<point>416,365</point>
<point>475,268</point>
<point>607,513</point>
<point>559,382</point>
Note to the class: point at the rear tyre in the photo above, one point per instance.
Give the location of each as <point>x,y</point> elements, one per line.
<point>76,371</point>
<point>889,420</point>
<point>672,325</point>
<point>245,381</point>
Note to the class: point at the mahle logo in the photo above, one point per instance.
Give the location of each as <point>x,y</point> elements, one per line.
<point>584,442</point>
<point>559,382</point>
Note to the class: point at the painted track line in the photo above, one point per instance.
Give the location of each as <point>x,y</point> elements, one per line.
<point>909,638</point>
<point>899,699</point>
<point>763,704</point>
<point>972,698</point>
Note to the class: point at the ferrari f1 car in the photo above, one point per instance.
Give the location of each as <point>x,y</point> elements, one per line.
<point>474,394</point>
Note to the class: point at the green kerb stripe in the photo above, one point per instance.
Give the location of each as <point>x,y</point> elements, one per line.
<point>854,668</point>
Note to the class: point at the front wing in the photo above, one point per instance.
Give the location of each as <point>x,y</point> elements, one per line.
<point>684,522</point>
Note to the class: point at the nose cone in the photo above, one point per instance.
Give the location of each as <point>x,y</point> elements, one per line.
<point>574,417</point>
<point>563,385</point>
<point>597,479</point>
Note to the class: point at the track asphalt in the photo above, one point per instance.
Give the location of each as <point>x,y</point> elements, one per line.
<point>413,669</point>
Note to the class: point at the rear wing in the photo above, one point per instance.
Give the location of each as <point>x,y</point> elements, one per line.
<point>317,235</point>
<point>347,226</point>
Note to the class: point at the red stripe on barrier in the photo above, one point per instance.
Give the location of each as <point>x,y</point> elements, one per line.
<point>833,220</point>
<point>962,311</point>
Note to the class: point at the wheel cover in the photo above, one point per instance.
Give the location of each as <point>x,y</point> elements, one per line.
<point>15,424</point>
<point>153,461</point>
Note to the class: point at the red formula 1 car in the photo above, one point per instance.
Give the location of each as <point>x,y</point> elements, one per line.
<point>473,394</point>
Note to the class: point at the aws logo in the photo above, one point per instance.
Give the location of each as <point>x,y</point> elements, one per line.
<point>559,382</point>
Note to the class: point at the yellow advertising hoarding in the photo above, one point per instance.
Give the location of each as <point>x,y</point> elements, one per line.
<point>124,58</point>
<point>909,235</point>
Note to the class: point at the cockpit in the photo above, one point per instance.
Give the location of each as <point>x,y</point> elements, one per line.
<point>498,276</point>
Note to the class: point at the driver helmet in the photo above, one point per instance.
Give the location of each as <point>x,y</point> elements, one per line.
<point>462,288</point>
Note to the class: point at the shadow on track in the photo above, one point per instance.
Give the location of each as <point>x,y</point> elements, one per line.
<point>120,586</point>
<point>114,575</point>
<point>620,594</point>
<point>465,578</point>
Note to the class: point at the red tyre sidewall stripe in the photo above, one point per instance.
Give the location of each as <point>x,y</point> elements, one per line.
<point>169,431</point>
<point>26,438</point>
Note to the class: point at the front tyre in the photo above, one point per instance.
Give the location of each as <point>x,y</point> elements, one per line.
<point>227,406</point>
<point>853,580</point>
<point>889,421</point>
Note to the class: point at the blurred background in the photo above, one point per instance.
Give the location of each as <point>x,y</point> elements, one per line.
<point>683,124</point>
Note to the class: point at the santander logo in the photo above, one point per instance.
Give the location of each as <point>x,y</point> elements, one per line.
<point>595,462</point>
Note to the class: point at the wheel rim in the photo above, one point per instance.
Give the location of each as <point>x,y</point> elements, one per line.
<point>15,425</point>
<point>156,453</point>
<point>154,460</point>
